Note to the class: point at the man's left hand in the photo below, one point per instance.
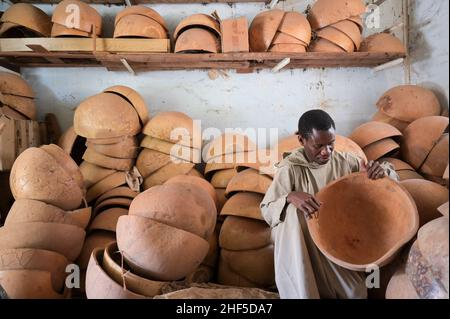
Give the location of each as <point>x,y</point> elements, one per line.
<point>374,170</point>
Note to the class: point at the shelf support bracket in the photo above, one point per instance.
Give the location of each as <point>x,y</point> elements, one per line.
<point>272,4</point>
<point>127,66</point>
<point>281,65</point>
<point>388,65</point>
<point>393,28</point>
<point>40,49</point>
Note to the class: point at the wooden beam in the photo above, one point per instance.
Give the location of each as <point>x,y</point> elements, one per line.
<point>161,61</point>
<point>254,56</point>
<point>86,45</point>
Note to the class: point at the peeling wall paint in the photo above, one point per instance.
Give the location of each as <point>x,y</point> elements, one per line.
<point>226,99</point>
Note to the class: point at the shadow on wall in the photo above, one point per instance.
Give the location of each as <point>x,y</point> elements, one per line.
<point>419,24</point>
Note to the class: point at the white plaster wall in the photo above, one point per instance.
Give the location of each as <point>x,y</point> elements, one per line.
<point>429,36</point>
<point>261,99</point>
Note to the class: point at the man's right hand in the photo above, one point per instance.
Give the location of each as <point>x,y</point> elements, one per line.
<point>305,203</point>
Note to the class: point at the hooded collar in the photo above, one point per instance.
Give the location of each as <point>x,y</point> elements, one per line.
<point>298,158</point>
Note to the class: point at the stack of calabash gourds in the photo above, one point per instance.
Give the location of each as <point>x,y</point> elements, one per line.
<point>74,18</point>
<point>279,31</point>
<point>164,238</point>
<point>425,146</point>
<point>222,154</point>
<point>416,150</point>
<point>198,33</point>
<point>246,254</point>
<point>245,260</point>
<point>206,272</point>
<point>140,22</point>
<point>102,228</point>
<point>110,122</point>
<point>408,131</point>
<point>337,25</point>
<point>16,97</point>
<point>377,139</point>
<point>45,228</point>
<point>169,148</point>
<point>24,20</point>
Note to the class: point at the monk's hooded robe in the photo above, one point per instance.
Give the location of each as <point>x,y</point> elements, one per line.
<point>301,270</point>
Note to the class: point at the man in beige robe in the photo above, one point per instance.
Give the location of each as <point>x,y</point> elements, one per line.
<point>301,270</point>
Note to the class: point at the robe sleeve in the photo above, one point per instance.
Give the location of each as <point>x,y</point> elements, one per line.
<point>355,166</point>
<point>390,171</point>
<point>274,205</point>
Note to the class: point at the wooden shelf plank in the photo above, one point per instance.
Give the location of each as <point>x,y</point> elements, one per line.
<point>86,45</point>
<point>169,61</point>
<point>151,54</point>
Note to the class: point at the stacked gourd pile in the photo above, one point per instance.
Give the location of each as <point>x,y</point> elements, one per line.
<point>169,148</point>
<point>73,18</point>
<point>279,31</point>
<point>206,272</point>
<point>377,140</point>
<point>141,22</point>
<point>246,254</point>
<point>16,97</point>
<point>110,121</point>
<point>408,132</point>
<point>198,33</point>
<point>164,238</point>
<point>337,25</point>
<point>45,228</point>
<point>23,20</point>
<point>425,146</point>
<point>222,155</point>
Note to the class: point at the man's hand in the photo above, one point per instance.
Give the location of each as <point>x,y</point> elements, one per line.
<point>305,203</point>
<point>374,170</point>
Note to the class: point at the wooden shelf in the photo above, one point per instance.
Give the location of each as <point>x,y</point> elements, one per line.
<point>154,54</point>
<point>122,2</point>
<point>243,62</point>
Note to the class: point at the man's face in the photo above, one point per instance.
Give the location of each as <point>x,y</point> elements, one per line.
<point>319,146</point>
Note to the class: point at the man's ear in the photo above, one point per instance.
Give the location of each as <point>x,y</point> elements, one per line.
<point>301,139</point>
